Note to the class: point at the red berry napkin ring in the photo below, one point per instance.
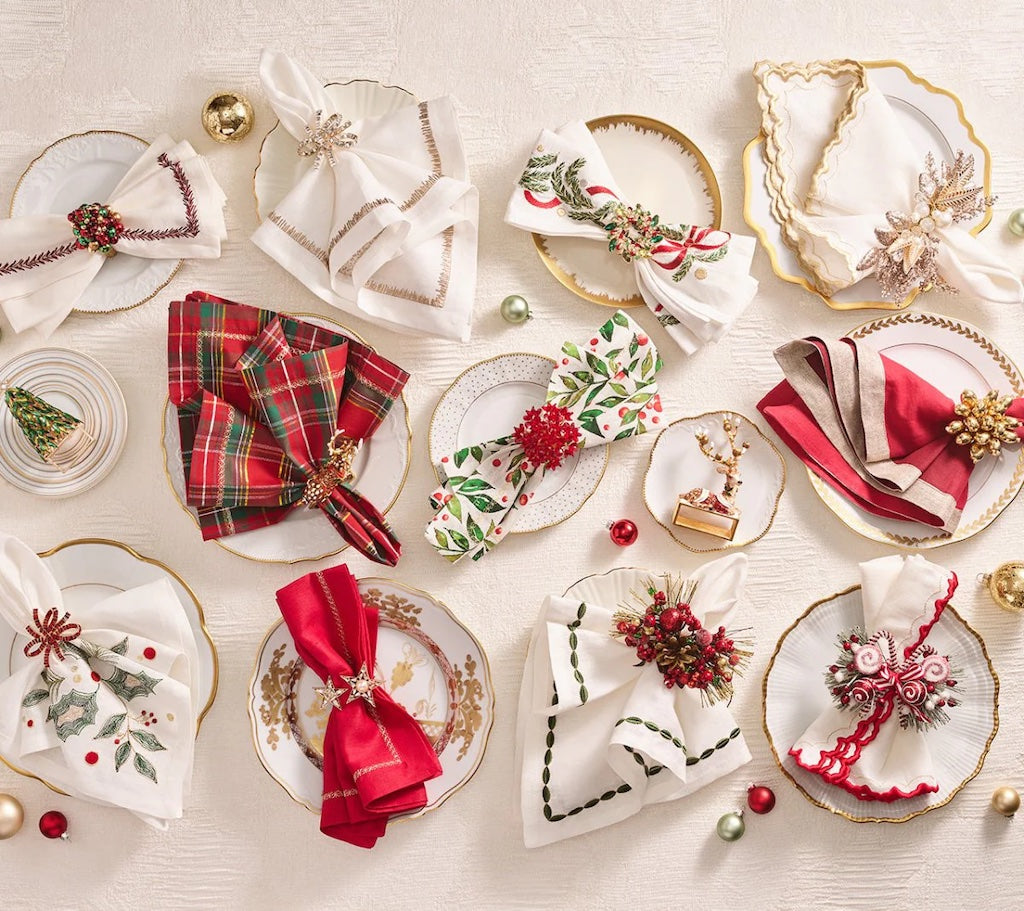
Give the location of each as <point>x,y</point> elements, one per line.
<point>97,227</point>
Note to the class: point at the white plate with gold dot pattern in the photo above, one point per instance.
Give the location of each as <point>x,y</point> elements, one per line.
<point>429,663</point>
<point>77,384</point>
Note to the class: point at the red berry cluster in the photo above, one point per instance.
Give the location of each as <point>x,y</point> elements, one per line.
<point>548,435</point>
<point>96,227</point>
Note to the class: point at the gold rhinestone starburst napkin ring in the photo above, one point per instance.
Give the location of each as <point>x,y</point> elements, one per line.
<point>324,136</point>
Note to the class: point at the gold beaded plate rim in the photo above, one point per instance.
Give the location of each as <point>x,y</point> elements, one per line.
<point>167,415</point>
<point>108,542</point>
<point>750,186</point>
<point>857,520</point>
<point>71,137</point>
<point>488,706</point>
<point>687,146</point>
<point>879,819</point>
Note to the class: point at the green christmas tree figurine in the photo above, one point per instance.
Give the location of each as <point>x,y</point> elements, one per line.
<point>60,438</point>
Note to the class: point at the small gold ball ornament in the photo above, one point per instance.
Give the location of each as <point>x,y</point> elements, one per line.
<point>1006,585</point>
<point>12,815</point>
<point>1016,222</point>
<point>1005,801</point>
<point>228,116</point>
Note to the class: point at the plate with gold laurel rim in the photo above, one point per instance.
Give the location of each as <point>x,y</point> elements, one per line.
<point>487,401</point>
<point>952,356</point>
<point>280,168</point>
<point>83,168</point>
<point>90,569</point>
<point>934,121</point>
<point>794,694</point>
<point>655,166</point>
<point>381,468</point>
<point>677,465</point>
<point>429,663</point>
<point>83,388</point>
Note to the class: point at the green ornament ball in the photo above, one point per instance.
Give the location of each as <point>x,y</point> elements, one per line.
<point>515,309</point>
<point>731,827</point>
<point>1016,222</point>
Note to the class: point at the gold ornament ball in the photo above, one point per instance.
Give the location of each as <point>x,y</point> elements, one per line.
<point>228,116</point>
<point>1005,801</point>
<point>12,815</point>
<point>1006,586</point>
<point>1016,222</point>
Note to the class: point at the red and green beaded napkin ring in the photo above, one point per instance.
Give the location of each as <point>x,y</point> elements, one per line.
<point>97,227</point>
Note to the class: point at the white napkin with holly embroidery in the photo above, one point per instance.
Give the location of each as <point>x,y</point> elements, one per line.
<point>599,737</point>
<point>107,712</point>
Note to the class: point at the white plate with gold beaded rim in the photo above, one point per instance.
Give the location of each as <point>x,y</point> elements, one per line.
<point>952,356</point>
<point>430,664</point>
<point>380,469</point>
<point>488,401</point>
<point>280,168</point>
<point>83,168</point>
<point>655,166</point>
<point>77,384</point>
<point>91,569</point>
<point>934,121</point>
<point>794,694</point>
<point>677,465</point>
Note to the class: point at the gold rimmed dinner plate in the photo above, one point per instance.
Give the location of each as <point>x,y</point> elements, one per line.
<point>655,166</point>
<point>794,694</point>
<point>934,121</point>
<point>381,468</point>
<point>89,570</point>
<point>429,663</point>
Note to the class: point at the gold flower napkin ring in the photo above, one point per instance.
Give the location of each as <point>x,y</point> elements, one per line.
<point>324,136</point>
<point>334,472</point>
<point>983,424</point>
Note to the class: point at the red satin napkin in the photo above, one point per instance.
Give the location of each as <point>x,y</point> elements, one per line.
<point>376,757</point>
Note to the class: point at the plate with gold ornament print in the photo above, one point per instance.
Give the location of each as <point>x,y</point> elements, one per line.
<point>429,663</point>
<point>655,166</point>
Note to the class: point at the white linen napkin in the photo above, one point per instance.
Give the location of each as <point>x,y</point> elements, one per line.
<point>113,721</point>
<point>837,161</point>
<point>385,225</point>
<point>696,279</point>
<point>171,207</point>
<point>599,738</point>
<point>904,596</point>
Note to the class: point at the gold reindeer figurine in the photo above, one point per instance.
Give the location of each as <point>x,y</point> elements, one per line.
<point>702,510</point>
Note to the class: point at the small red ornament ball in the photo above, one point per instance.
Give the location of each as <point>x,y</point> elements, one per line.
<point>54,824</point>
<point>671,619</point>
<point>623,532</point>
<point>760,799</point>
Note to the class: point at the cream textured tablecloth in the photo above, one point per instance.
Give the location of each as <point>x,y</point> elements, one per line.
<point>513,67</point>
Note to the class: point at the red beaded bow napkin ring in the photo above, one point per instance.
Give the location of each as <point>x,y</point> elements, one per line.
<point>48,636</point>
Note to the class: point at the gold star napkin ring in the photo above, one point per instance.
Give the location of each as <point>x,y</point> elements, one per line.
<point>334,472</point>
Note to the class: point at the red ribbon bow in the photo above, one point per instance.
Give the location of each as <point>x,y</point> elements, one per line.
<point>376,757</point>
<point>49,634</point>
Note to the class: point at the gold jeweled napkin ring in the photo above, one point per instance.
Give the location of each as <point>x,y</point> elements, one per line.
<point>334,472</point>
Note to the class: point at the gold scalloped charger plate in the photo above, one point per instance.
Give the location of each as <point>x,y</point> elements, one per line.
<point>654,165</point>
<point>795,694</point>
<point>934,121</point>
<point>82,168</point>
<point>89,570</point>
<point>429,663</point>
<point>677,465</point>
<point>952,356</point>
<point>381,468</point>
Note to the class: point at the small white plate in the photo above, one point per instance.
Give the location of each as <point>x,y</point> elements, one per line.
<point>430,664</point>
<point>77,384</point>
<point>655,166</point>
<point>82,168</point>
<point>952,356</point>
<point>488,401</point>
<point>677,465</point>
<point>934,121</point>
<point>795,694</point>
<point>91,569</point>
<point>280,167</point>
<point>380,468</point>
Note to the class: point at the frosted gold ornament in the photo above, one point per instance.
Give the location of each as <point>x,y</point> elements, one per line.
<point>227,116</point>
<point>12,815</point>
<point>1006,585</point>
<point>1005,801</point>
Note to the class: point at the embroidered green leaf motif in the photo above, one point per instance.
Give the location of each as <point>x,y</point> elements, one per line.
<point>144,767</point>
<point>147,740</point>
<point>34,698</point>
<point>121,648</point>
<point>121,756</point>
<point>131,686</point>
<point>651,726</point>
<point>111,726</point>
<point>73,714</point>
